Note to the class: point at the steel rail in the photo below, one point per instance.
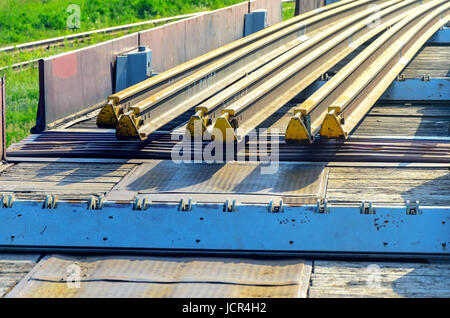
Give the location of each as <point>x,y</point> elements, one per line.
<point>354,89</point>
<point>275,91</point>
<point>157,110</point>
<point>117,103</point>
<point>212,108</point>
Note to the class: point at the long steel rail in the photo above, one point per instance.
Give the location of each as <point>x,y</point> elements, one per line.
<point>160,108</point>
<point>275,89</point>
<point>337,107</point>
<point>212,108</point>
<point>118,103</point>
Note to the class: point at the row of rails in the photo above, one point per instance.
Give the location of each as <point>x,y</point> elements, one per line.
<point>237,87</point>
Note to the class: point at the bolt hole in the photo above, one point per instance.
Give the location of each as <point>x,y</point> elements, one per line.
<point>110,217</point>
<point>197,241</point>
<point>201,219</point>
<point>291,242</point>
<point>19,215</point>
<point>105,239</point>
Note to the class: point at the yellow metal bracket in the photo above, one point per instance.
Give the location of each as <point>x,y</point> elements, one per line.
<point>109,115</point>
<point>332,126</point>
<point>223,130</point>
<point>197,124</point>
<point>128,126</point>
<point>297,130</point>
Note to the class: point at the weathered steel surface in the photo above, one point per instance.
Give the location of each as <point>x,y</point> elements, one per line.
<point>184,277</point>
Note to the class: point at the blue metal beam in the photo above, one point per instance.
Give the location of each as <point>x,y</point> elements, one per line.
<point>407,90</point>
<point>207,228</point>
<point>441,37</point>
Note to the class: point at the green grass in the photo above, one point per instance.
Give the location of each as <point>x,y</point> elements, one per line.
<point>288,10</point>
<point>31,20</point>
<point>22,96</point>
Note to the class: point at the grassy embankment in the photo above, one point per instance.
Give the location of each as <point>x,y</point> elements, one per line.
<point>30,20</point>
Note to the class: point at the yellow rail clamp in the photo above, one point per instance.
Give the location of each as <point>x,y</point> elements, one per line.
<point>128,126</point>
<point>198,123</point>
<point>223,130</point>
<point>109,115</point>
<point>297,129</point>
<point>332,126</point>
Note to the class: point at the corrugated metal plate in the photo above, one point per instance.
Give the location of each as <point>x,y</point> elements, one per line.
<point>134,276</point>
<point>291,179</point>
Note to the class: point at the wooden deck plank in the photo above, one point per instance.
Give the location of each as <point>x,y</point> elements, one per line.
<point>379,279</point>
<point>388,185</point>
<point>76,181</point>
<point>13,267</point>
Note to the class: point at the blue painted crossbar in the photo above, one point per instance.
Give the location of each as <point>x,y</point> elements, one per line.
<point>441,37</point>
<point>410,89</point>
<point>207,228</point>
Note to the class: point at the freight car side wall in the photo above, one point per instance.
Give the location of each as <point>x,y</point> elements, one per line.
<point>75,83</point>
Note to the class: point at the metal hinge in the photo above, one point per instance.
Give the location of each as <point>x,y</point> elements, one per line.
<point>273,208</point>
<point>50,202</point>
<point>367,208</point>
<point>322,207</point>
<point>95,203</point>
<point>229,206</point>
<point>7,200</point>
<point>141,203</point>
<point>324,77</point>
<point>185,206</point>
<point>412,208</point>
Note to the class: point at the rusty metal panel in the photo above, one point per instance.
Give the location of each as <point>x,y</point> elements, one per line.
<point>274,9</point>
<point>192,27</point>
<point>309,5</point>
<point>136,276</point>
<point>125,44</point>
<point>2,119</point>
<point>167,44</point>
<point>178,42</point>
<point>73,82</point>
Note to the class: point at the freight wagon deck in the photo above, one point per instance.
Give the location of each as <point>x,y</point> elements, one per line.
<point>333,214</point>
